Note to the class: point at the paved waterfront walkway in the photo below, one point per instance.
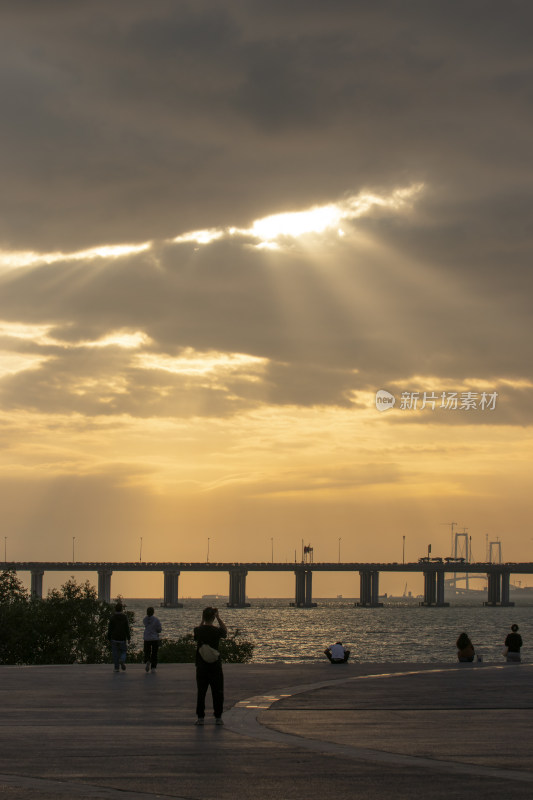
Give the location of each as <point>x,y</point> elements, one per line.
<point>298,732</point>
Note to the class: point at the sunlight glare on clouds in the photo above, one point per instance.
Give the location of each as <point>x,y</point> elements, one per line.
<point>11,363</point>
<point>127,340</point>
<point>328,218</point>
<point>318,220</point>
<point>297,223</point>
<point>200,237</point>
<point>13,259</point>
<point>18,330</point>
<point>39,334</point>
<point>192,362</point>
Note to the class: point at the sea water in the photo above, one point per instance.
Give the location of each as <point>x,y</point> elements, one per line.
<point>395,633</point>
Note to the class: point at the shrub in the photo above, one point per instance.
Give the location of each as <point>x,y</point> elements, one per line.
<point>233,650</point>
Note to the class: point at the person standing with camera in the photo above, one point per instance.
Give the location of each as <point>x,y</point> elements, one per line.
<point>209,673</point>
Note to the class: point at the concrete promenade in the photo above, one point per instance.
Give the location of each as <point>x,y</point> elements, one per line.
<point>297,731</point>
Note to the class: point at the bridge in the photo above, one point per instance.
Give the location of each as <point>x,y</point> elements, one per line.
<point>434,571</point>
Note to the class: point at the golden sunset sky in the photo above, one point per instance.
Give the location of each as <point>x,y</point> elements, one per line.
<point>224,227</point>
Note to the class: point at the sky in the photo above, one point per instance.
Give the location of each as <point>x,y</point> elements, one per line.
<point>224,228</point>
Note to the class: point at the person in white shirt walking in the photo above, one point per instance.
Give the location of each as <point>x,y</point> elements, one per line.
<point>152,629</point>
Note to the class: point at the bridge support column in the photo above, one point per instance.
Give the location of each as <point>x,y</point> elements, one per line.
<point>498,589</point>
<point>309,590</point>
<point>170,589</point>
<point>104,585</point>
<point>237,589</point>
<point>505,589</point>
<point>37,583</point>
<point>299,594</point>
<point>434,589</point>
<point>303,596</point>
<point>369,589</point>
<point>440,589</point>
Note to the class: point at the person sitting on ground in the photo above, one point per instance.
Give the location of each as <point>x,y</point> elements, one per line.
<point>465,649</point>
<point>513,643</point>
<point>337,653</point>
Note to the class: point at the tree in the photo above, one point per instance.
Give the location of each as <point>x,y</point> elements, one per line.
<point>11,588</point>
<point>233,650</point>
<point>15,619</point>
<point>69,626</point>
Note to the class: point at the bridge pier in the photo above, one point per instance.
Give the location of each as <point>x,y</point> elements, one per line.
<point>369,589</point>
<point>170,589</point>
<point>37,583</point>
<point>434,589</point>
<point>237,589</point>
<point>104,585</point>
<point>498,589</point>
<point>303,595</point>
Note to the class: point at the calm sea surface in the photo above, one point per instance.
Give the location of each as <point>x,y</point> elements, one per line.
<point>397,632</point>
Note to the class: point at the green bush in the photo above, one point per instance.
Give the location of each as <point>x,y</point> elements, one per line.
<point>70,626</point>
<point>233,650</point>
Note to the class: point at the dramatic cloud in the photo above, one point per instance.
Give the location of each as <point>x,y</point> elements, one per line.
<point>225,226</point>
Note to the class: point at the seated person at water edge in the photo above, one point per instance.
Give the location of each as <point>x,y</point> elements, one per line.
<point>465,648</point>
<point>513,643</point>
<point>337,653</point>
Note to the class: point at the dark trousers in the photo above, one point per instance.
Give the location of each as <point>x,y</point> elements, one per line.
<point>119,650</point>
<point>210,675</point>
<point>150,652</point>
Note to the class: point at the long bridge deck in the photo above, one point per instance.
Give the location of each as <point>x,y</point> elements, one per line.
<point>521,568</point>
<point>434,571</point>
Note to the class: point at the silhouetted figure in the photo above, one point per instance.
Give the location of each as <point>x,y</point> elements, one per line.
<point>465,648</point>
<point>337,653</point>
<point>209,664</point>
<point>118,633</point>
<point>513,643</point>
<point>152,629</point>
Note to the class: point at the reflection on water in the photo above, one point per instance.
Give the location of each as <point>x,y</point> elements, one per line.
<point>395,633</point>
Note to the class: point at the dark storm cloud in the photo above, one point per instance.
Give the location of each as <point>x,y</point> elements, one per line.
<point>129,120</point>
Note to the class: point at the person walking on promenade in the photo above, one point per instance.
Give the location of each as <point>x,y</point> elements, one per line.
<point>513,643</point>
<point>118,633</point>
<point>465,649</point>
<point>207,636</point>
<point>337,653</point>
<point>152,629</point>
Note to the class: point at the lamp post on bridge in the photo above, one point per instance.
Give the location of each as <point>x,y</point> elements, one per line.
<point>272,543</point>
<point>207,559</point>
<point>403,550</point>
<point>339,549</point>
<point>5,549</point>
<point>73,540</point>
<point>141,550</point>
